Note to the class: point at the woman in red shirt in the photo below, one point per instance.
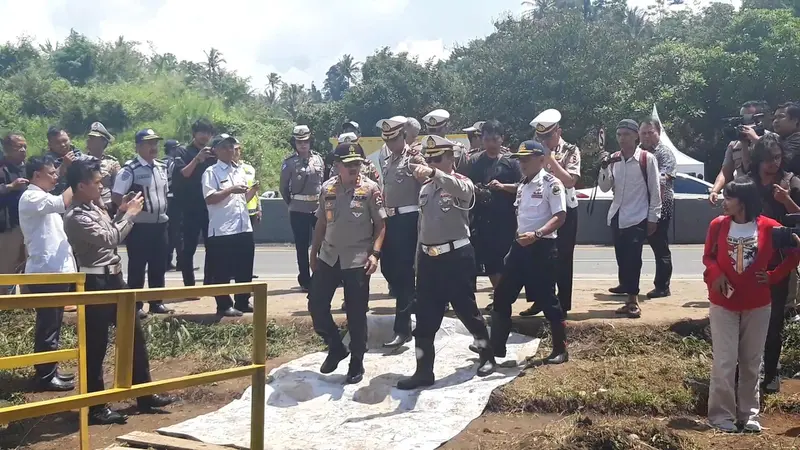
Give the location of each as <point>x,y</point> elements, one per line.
<point>737,255</point>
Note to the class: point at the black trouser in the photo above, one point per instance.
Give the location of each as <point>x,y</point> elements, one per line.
<point>195,223</point>
<point>231,257</point>
<point>442,280</point>
<point>174,235</point>
<point>98,320</point>
<point>628,243</point>
<point>659,242</point>
<point>302,229</point>
<point>565,242</point>
<point>772,347</point>
<point>494,238</point>
<point>397,265</point>
<point>47,333</point>
<point>356,294</point>
<point>534,268</point>
<point>147,250</point>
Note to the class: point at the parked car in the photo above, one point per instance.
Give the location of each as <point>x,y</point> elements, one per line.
<point>686,186</point>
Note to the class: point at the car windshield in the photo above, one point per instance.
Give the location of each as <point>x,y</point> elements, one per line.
<point>689,186</point>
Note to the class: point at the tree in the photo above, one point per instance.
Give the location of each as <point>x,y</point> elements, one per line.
<point>293,99</point>
<point>76,59</point>
<point>273,81</point>
<point>349,68</point>
<point>119,61</point>
<point>335,84</point>
<point>17,57</point>
<point>314,94</point>
<point>213,64</point>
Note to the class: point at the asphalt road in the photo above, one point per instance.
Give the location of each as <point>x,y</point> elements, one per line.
<point>591,262</point>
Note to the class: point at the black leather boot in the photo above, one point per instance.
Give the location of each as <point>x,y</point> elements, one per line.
<point>355,373</point>
<point>487,364</point>
<point>336,353</point>
<point>423,376</point>
<point>559,355</point>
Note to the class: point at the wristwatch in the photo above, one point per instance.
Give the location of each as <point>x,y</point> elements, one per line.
<point>433,172</point>
<point>538,234</point>
<point>376,254</point>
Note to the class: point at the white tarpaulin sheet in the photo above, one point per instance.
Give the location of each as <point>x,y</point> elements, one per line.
<point>308,410</point>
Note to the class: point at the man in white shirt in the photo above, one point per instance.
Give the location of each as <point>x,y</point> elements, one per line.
<point>230,244</point>
<point>633,175</point>
<point>48,251</point>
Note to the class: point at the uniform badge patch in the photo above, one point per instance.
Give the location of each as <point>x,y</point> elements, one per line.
<point>125,176</point>
<point>556,189</point>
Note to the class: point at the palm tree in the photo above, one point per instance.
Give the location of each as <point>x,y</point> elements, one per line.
<point>214,61</point>
<point>637,23</point>
<point>273,81</point>
<point>349,68</point>
<point>293,98</point>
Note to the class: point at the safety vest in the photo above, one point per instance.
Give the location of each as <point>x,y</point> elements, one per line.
<point>250,175</point>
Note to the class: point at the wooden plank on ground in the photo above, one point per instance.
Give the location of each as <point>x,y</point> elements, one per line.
<point>157,441</point>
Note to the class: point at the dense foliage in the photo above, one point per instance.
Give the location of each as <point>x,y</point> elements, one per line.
<point>597,61</point>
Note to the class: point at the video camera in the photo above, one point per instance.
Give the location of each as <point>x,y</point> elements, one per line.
<point>782,236</point>
<point>734,126</point>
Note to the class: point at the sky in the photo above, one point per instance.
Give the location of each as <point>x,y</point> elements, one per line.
<point>298,39</point>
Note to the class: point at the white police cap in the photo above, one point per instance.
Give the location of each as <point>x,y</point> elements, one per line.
<point>546,121</point>
<point>436,118</point>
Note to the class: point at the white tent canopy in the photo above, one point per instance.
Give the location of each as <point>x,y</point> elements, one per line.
<point>685,163</point>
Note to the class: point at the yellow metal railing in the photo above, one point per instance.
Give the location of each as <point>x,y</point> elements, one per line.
<point>123,371</point>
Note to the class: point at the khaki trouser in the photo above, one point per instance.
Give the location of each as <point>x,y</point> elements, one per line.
<point>12,253</point>
<point>736,337</point>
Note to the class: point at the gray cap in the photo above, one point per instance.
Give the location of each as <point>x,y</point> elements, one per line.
<point>628,124</point>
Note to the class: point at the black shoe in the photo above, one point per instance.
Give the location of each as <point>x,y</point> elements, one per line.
<point>160,308</point>
<point>473,348</point>
<point>617,290</point>
<point>772,386</point>
<point>65,376</point>
<point>557,358</point>
<point>416,381</point>
<point>487,367</point>
<point>659,293</point>
<point>333,359</point>
<point>423,375</point>
<point>397,341</point>
<point>230,312</point>
<point>105,416</point>
<point>489,307</point>
<point>147,403</point>
<point>245,308</point>
<point>530,312</point>
<point>355,373</point>
<point>142,315</point>
<point>56,385</point>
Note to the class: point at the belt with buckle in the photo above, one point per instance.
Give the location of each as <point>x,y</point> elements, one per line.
<point>114,269</point>
<point>305,198</point>
<point>436,250</point>
<point>401,210</point>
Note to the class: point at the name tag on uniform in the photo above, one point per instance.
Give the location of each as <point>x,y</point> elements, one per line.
<point>145,179</point>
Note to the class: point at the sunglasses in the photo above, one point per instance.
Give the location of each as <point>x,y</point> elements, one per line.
<point>434,159</point>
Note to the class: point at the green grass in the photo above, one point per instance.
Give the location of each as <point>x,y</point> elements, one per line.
<point>647,370</point>
<point>211,347</point>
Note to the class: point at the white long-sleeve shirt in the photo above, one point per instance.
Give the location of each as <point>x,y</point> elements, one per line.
<point>630,190</point>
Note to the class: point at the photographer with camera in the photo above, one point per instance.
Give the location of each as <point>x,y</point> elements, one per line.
<point>780,195</point>
<point>786,124</point>
<point>742,131</point>
<point>495,217</point>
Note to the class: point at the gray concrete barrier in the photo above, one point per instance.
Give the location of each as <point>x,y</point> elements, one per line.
<point>689,222</point>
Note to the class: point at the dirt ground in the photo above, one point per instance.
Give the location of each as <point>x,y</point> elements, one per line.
<point>591,302</point>
<point>491,430</point>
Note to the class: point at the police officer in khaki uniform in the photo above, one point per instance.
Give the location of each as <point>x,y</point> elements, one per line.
<point>446,261</point>
<point>302,175</point>
<point>563,160</point>
<point>401,191</point>
<point>531,262</point>
<point>437,123</point>
<point>98,139</point>
<point>347,246</point>
<point>94,238</point>
<point>474,136</point>
<point>367,168</point>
